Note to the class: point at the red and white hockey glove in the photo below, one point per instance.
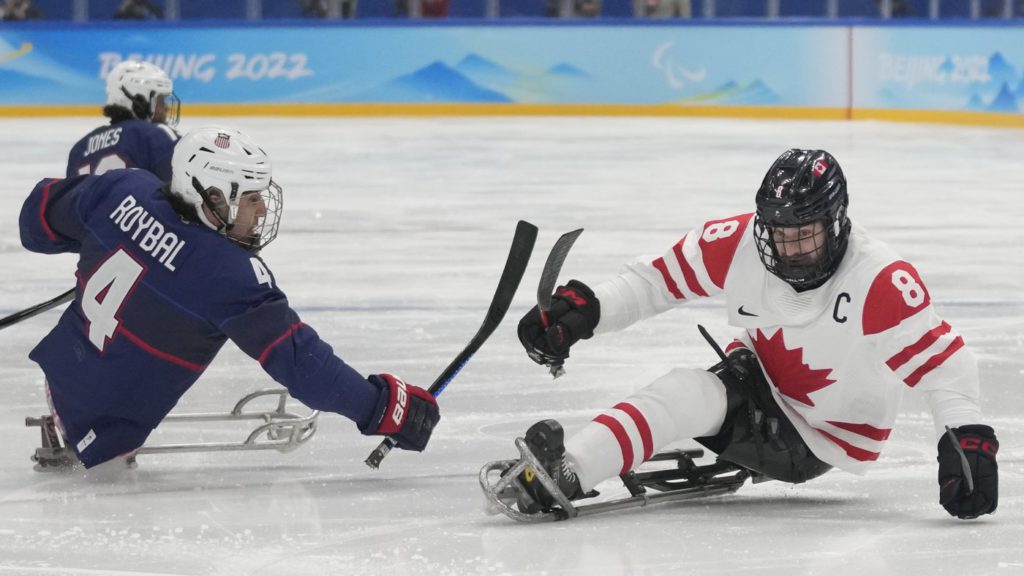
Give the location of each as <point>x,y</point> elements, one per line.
<point>404,412</point>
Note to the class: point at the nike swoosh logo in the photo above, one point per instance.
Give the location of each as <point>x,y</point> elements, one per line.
<point>745,313</point>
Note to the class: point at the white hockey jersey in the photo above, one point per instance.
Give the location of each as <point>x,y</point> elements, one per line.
<point>838,357</point>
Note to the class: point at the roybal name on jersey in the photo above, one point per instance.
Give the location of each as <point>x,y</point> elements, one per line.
<point>103,140</point>
<point>147,231</point>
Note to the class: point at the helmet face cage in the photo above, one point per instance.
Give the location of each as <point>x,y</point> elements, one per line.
<point>802,188</point>
<point>172,107</point>
<point>811,268</point>
<point>263,227</point>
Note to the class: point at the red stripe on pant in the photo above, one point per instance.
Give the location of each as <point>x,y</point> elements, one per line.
<point>625,444</point>
<point>641,425</point>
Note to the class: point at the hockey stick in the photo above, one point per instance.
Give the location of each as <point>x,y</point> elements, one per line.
<point>37,309</point>
<point>711,341</point>
<point>515,267</point>
<point>963,460</point>
<point>548,279</point>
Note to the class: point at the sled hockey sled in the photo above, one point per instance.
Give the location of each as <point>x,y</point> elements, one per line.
<point>280,430</point>
<point>686,481</point>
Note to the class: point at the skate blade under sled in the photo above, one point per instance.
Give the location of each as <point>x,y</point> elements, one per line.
<point>687,481</point>
<point>281,430</point>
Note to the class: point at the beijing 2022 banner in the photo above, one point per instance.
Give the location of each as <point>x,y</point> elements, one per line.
<point>685,65</point>
<point>939,68</point>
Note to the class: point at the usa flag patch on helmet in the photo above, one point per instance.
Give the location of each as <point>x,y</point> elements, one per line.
<point>222,140</point>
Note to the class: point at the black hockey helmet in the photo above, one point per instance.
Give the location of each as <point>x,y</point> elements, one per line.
<point>801,188</point>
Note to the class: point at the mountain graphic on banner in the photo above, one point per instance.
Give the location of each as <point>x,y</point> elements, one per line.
<point>976,103</point>
<point>947,66</point>
<point>476,67</point>
<point>731,92</point>
<point>1001,71</point>
<point>567,70</point>
<point>561,82</point>
<point>436,82</point>
<point>1005,101</point>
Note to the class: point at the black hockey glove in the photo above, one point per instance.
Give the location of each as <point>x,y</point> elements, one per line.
<point>574,314</point>
<point>404,412</point>
<point>979,446</point>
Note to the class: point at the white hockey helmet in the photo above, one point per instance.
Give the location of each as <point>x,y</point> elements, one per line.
<point>221,168</point>
<point>138,86</point>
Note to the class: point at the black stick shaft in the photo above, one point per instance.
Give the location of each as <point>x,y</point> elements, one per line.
<point>515,267</point>
<point>711,341</point>
<point>37,309</point>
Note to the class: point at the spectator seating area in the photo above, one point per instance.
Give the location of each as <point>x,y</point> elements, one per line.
<point>94,10</point>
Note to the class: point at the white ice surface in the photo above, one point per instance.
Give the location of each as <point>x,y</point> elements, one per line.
<point>393,237</point>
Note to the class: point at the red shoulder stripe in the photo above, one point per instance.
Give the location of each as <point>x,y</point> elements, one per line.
<point>659,263</point>
<point>916,348</point>
<point>934,362</point>
<point>688,274</point>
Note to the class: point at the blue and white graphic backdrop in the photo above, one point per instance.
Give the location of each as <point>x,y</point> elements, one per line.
<point>950,68</point>
<point>977,69</point>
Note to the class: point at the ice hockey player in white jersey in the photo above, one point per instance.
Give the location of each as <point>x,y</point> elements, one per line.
<point>834,328</point>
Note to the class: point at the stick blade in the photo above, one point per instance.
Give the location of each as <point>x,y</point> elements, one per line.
<point>553,266</point>
<point>515,267</point>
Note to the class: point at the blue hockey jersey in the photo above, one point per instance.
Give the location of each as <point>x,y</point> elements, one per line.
<point>156,298</point>
<point>126,144</point>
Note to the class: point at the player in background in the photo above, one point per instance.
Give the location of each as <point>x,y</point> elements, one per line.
<point>143,110</point>
<point>834,327</point>
<point>167,273</point>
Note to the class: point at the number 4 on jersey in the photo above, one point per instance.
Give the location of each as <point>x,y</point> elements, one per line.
<point>262,274</point>
<point>105,294</point>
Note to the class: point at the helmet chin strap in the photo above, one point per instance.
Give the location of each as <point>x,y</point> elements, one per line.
<point>206,221</point>
<point>142,108</point>
<point>221,225</point>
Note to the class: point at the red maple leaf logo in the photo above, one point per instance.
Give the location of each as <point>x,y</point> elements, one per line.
<point>787,369</point>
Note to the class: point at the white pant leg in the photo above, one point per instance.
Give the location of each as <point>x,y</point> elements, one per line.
<point>685,403</point>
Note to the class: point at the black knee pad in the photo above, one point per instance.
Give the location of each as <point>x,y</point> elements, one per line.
<point>756,433</point>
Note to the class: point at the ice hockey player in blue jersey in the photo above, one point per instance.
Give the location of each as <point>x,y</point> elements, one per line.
<point>143,109</point>
<point>167,273</point>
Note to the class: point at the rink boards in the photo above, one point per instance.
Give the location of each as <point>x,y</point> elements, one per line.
<point>968,73</point>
